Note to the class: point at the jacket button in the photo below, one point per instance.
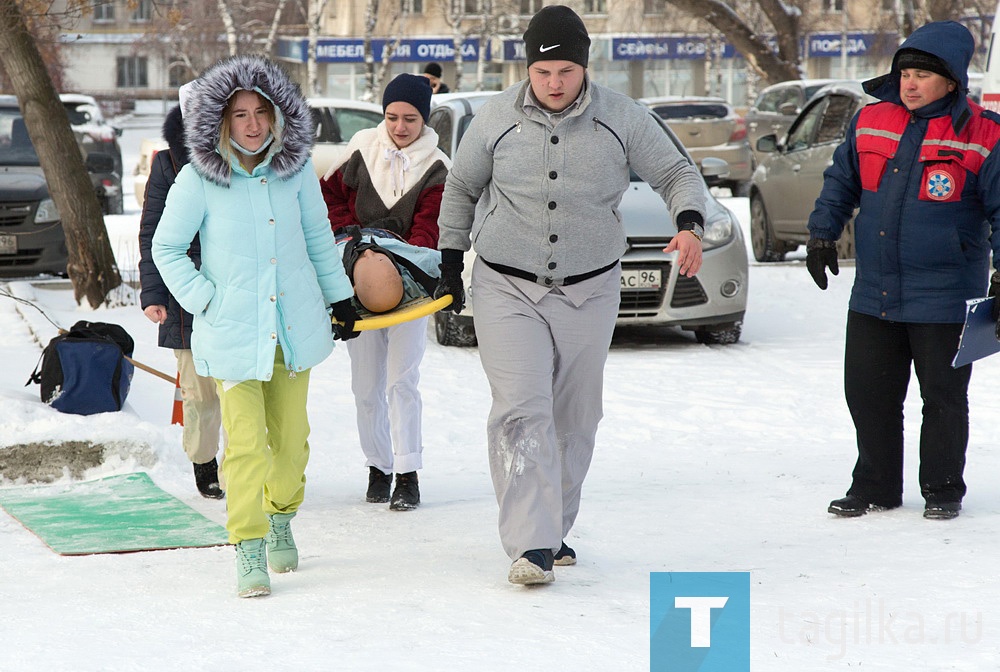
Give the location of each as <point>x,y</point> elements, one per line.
<point>273,260</point>
<point>273,298</point>
<point>271,222</point>
<point>552,205</point>
<point>553,175</point>
<point>273,335</point>
<point>554,140</point>
<point>548,281</point>
<point>552,265</point>
<point>263,180</point>
<point>881,233</point>
<point>885,293</point>
<point>553,238</point>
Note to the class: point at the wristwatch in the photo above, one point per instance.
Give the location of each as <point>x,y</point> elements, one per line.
<point>697,229</point>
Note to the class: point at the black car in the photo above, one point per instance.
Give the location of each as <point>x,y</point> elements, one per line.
<point>32,239</point>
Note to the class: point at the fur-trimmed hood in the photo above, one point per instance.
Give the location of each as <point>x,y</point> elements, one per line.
<point>173,133</point>
<point>203,118</point>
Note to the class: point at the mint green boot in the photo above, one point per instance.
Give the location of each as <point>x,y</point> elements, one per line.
<point>282,556</point>
<point>251,569</point>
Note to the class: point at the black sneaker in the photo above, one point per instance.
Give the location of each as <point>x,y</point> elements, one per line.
<point>942,510</point>
<point>533,567</point>
<point>206,477</point>
<point>406,496</point>
<point>851,507</point>
<point>378,486</point>
<point>564,556</point>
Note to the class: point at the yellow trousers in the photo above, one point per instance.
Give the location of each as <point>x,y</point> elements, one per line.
<point>268,449</point>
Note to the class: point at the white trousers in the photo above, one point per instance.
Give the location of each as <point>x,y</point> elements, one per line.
<point>385,371</point>
<point>544,360</point>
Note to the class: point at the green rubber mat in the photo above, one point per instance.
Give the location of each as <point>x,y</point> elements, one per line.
<point>117,514</point>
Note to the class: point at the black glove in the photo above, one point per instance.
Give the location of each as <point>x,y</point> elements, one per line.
<point>821,255</point>
<point>452,264</point>
<point>346,315</point>
<point>994,291</point>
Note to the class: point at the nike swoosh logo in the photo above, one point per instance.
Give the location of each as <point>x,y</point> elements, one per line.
<point>543,49</point>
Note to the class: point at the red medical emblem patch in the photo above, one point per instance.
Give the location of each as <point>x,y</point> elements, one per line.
<point>940,185</point>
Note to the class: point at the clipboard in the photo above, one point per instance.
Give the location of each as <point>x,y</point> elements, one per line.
<point>979,336</point>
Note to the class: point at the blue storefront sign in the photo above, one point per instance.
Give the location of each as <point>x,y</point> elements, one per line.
<point>858,44</point>
<point>692,47</point>
<point>349,50</point>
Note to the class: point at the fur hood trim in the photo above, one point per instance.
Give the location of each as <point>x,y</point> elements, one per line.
<point>203,117</point>
<point>173,133</point>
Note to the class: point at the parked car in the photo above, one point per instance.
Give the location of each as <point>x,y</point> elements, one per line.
<point>32,239</point>
<point>337,120</point>
<point>790,174</point>
<point>711,304</point>
<point>96,134</point>
<point>777,106</point>
<point>710,127</point>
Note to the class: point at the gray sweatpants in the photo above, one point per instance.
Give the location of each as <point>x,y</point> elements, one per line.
<point>543,351</point>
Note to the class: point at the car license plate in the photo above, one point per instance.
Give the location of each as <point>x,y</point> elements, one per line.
<point>642,278</point>
<point>8,244</point>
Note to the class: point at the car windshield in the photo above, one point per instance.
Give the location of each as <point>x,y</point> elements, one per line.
<point>15,145</point>
<point>692,111</point>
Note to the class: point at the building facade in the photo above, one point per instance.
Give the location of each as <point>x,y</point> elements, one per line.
<point>639,47</point>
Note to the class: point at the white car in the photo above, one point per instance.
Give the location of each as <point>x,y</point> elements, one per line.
<point>337,120</point>
<point>653,292</point>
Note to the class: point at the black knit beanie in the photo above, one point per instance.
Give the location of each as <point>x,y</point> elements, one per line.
<point>922,60</point>
<point>556,33</point>
<point>412,89</point>
<point>433,69</point>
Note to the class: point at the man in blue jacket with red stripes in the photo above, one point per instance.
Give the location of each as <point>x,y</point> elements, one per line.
<point>921,166</point>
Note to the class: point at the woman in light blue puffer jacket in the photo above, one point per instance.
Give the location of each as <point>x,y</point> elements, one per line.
<point>269,271</point>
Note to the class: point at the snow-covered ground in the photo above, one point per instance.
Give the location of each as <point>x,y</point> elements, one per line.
<point>709,459</point>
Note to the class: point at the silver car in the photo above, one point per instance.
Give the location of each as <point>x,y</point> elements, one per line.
<point>709,127</point>
<point>711,304</point>
<point>777,106</point>
<point>790,174</point>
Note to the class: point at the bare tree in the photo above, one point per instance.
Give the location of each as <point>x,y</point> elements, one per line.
<point>393,22</point>
<point>91,267</point>
<point>785,22</point>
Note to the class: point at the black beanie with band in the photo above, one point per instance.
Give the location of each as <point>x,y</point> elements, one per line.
<point>922,60</point>
<point>556,33</point>
<point>412,89</point>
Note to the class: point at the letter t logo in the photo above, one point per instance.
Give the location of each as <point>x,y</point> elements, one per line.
<point>701,617</point>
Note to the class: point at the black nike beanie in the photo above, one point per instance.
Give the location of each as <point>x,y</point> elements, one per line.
<point>556,33</point>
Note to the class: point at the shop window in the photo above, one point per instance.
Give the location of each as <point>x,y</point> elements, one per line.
<point>132,72</point>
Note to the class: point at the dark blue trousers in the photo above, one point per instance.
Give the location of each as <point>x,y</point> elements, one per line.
<point>877,362</point>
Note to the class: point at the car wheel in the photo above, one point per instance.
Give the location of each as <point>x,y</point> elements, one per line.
<point>845,244</point>
<point>765,247</point>
<point>452,329</point>
<point>719,334</point>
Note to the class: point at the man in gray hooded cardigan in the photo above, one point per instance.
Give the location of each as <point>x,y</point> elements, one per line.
<point>536,185</point>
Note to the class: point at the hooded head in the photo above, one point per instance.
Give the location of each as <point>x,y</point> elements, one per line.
<point>203,116</point>
<point>943,47</point>
<point>557,33</point>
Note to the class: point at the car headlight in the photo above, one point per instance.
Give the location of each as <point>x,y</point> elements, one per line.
<point>47,212</point>
<point>718,232</point>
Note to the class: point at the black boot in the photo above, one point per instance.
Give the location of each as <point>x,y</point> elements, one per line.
<point>378,486</point>
<point>206,477</point>
<point>406,496</point>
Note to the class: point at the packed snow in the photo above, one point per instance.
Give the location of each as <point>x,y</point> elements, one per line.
<point>709,459</point>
